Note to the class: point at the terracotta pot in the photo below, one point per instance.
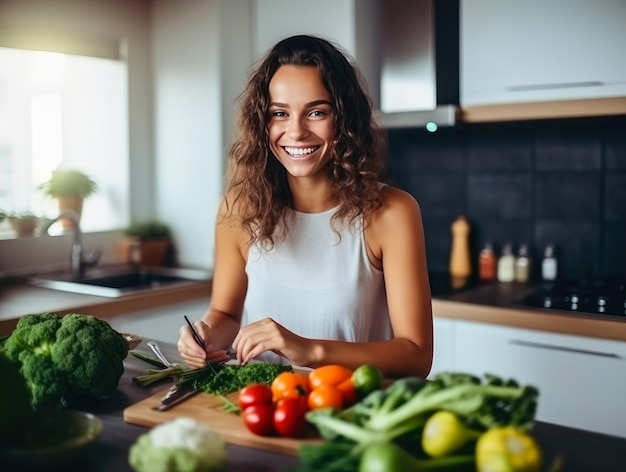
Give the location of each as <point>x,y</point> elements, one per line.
<point>24,227</point>
<point>72,203</point>
<point>144,253</point>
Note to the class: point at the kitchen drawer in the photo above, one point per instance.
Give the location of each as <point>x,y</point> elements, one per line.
<point>581,380</point>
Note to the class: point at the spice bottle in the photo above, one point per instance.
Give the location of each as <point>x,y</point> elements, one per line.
<point>549,264</point>
<point>506,264</point>
<point>487,263</point>
<point>522,265</point>
<point>460,263</point>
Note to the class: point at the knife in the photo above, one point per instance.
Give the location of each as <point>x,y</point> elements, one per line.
<point>175,395</point>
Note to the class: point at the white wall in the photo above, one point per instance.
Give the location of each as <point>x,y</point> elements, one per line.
<point>201,49</point>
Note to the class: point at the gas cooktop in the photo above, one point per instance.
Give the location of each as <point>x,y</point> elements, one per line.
<point>598,295</point>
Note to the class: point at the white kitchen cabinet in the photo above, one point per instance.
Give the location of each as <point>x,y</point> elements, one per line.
<point>161,324</point>
<point>444,341</point>
<point>582,381</point>
<point>537,51</point>
<point>353,24</point>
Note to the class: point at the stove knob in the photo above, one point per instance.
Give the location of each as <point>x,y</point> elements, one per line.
<point>601,301</point>
<point>574,299</point>
<point>547,302</point>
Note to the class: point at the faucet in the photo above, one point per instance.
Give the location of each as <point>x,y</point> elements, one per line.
<point>78,261</point>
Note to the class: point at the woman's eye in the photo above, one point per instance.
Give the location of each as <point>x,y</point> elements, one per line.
<point>317,114</point>
<point>279,114</point>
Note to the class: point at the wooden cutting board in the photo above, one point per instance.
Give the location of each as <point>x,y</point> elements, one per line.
<point>207,409</point>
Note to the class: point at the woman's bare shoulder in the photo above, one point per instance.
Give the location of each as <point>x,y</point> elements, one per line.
<point>397,205</point>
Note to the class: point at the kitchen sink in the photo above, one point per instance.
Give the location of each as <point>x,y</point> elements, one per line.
<point>117,282</point>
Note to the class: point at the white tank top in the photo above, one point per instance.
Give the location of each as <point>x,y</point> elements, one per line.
<point>316,284</point>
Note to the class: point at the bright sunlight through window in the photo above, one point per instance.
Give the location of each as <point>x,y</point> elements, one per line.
<point>63,111</point>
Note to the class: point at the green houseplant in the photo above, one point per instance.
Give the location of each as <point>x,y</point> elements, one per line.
<point>23,224</point>
<point>70,187</point>
<point>147,243</point>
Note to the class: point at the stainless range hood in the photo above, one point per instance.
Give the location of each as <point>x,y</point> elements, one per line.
<point>419,81</point>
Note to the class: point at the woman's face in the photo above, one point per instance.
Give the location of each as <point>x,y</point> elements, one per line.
<point>301,120</point>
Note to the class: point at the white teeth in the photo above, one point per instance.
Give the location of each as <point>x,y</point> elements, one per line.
<point>300,151</point>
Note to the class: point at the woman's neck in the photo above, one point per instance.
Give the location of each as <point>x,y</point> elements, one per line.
<point>311,197</point>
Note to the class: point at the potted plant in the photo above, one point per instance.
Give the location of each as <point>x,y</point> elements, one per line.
<point>147,243</point>
<point>70,187</point>
<point>23,224</point>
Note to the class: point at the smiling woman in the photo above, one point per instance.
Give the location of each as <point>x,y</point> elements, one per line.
<point>61,111</point>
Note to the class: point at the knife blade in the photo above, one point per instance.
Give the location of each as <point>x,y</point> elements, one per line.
<point>174,396</point>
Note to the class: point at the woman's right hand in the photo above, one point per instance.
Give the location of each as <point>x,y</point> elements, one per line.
<point>199,356</point>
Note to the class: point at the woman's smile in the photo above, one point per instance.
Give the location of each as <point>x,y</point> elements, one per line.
<point>300,152</point>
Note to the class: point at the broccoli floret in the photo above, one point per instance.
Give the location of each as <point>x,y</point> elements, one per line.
<point>63,356</point>
<point>181,445</point>
<point>91,352</point>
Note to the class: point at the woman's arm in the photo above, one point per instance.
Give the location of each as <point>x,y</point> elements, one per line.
<point>396,241</point>
<point>220,323</point>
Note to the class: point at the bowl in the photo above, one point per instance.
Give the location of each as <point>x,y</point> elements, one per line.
<point>55,438</point>
<point>133,340</point>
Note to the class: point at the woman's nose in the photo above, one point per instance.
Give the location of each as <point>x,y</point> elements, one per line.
<point>297,129</point>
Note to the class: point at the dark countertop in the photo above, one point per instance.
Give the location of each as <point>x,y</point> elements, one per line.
<point>582,451</point>
<point>495,303</point>
<point>110,452</point>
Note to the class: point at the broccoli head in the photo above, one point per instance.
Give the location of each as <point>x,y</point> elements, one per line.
<point>65,356</point>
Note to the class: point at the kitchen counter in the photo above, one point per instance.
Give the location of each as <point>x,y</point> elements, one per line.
<point>487,303</point>
<point>582,451</point>
<point>19,298</point>
<point>494,303</point>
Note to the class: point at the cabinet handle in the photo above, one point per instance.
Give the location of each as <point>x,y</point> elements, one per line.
<point>562,85</point>
<point>519,342</point>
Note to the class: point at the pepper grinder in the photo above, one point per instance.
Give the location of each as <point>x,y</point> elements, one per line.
<point>460,260</point>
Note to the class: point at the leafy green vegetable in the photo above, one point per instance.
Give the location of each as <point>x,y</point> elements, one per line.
<point>215,379</point>
<point>398,414</point>
<point>231,377</point>
<point>65,356</point>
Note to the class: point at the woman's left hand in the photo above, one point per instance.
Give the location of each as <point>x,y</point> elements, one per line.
<point>267,335</point>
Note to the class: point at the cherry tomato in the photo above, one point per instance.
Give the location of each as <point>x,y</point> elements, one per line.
<point>253,394</point>
<point>325,396</point>
<point>259,419</point>
<point>332,374</point>
<point>289,385</point>
<point>289,418</point>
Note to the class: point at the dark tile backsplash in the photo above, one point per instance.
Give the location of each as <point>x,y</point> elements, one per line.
<point>560,182</point>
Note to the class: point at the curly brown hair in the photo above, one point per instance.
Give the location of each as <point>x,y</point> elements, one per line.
<point>257,183</point>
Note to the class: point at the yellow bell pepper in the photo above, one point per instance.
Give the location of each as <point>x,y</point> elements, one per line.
<point>507,449</point>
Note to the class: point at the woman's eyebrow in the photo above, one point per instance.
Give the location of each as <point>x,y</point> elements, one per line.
<point>314,103</point>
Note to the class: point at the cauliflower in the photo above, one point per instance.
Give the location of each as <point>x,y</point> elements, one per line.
<point>62,356</point>
<point>180,445</point>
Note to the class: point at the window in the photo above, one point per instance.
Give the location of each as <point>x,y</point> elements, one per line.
<point>68,111</point>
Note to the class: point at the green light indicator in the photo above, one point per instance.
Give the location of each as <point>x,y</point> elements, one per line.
<point>431,126</point>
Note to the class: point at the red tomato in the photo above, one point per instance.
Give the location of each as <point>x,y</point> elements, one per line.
<point>290,385</point>
<point>326,396</point>
<point>259,419</point>
<point>332,374</point>
<point>253,394</point>
<point>289,418</point>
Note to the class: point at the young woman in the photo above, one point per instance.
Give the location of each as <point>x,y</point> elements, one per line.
<point>317,261</point>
